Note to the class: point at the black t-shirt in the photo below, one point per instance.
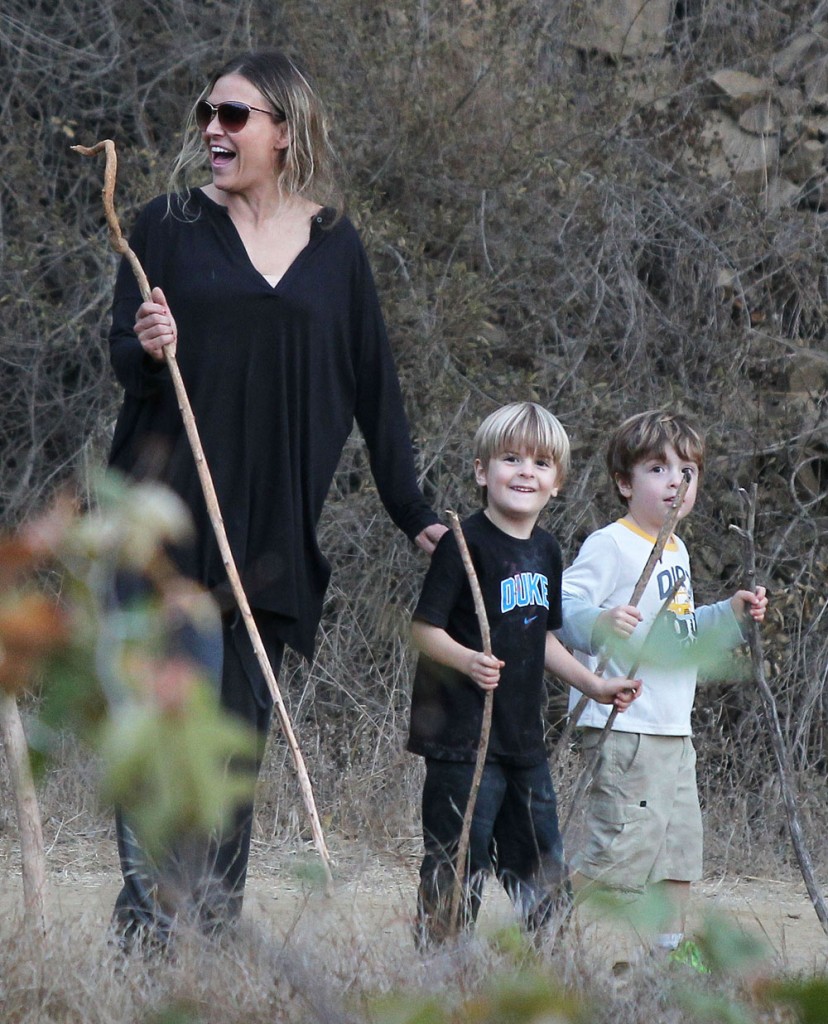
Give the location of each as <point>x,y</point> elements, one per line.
<point>521,585</point>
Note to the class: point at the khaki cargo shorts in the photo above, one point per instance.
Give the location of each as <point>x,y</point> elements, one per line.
<point>643,820</point>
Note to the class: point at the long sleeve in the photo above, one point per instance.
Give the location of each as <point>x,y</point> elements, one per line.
<point>587,583</point>
<point>276,377</point>
<point>381,417</point>
<point>138,374</point>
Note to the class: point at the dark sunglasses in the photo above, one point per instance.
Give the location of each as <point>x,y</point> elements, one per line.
<point>232,115</point>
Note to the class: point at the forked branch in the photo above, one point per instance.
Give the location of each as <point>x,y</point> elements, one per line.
<point>771,715</point>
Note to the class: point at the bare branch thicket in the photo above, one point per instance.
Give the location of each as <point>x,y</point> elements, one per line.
<point>536,230</point>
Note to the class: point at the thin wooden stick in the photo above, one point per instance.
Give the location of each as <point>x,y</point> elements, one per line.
<point>32,854</point>
<point>120,245</point>
<point>588,770</point>
<point>485,727</point>
<point>663,537</point>
<point>771,716</point>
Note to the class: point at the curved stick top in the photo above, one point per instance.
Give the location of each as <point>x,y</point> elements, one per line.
<point>116,236</point>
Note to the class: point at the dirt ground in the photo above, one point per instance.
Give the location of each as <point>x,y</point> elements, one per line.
<point>372,901</point>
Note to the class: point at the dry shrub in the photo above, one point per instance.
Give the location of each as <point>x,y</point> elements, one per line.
<point>536,230</point>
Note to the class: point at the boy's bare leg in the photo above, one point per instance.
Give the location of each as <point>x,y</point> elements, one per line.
<point>676,899</point>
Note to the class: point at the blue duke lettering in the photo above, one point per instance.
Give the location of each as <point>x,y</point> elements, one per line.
<point>524,590</point>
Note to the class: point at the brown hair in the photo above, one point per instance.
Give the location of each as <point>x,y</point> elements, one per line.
<point>646,436</point>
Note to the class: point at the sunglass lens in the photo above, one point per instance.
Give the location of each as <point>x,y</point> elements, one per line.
<point>203,114</point>
<point>233,116</point>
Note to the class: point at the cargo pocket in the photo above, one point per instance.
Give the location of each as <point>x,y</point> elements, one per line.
<point>619,841</point>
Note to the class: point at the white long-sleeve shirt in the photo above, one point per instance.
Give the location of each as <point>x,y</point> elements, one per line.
<point>603,576</point>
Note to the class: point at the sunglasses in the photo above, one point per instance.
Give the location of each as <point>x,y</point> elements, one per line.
<point>232,115</point>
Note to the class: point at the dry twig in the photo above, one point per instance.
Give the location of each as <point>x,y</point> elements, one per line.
<point>120,245</point>
<point>28,816</point>
<point>771,716</point>
<point>485,727</point>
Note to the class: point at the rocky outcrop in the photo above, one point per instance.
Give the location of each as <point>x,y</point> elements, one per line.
<point>768,134</point>
<point>622,28</point>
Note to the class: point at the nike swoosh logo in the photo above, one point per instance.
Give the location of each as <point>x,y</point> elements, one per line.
<point>527,620</point>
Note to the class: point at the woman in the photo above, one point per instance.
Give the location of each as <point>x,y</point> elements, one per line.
<point>281,344</point>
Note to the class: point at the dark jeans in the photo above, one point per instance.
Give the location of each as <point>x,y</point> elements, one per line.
<point>201,880</point>
<point>514,833</point>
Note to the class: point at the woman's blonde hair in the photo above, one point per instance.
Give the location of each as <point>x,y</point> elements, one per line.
<point>309,166</point>
<point>523,425</point>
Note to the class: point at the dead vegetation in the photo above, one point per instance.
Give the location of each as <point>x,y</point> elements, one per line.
<point>541,225</point>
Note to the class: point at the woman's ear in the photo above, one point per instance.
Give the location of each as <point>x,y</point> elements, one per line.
<point>282,135</point>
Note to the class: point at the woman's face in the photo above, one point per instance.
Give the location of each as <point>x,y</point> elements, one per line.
<point>246,160</point>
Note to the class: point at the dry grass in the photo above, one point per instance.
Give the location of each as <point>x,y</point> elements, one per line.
<point>536,232</point>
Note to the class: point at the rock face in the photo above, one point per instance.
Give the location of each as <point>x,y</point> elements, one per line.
<point>767,133</point>
<point>622,28</point>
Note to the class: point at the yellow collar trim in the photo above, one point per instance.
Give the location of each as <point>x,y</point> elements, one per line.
<point>634,528</point>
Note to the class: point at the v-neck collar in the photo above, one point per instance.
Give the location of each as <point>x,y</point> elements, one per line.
<point>320,221</point>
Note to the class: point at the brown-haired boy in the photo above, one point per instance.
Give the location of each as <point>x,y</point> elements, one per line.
<point>643,816</point>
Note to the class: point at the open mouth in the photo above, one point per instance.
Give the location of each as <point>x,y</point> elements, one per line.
<point>219,156</point>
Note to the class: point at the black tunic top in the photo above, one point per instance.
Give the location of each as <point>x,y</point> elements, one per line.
<point>521,585</point>
<point>275,376</point>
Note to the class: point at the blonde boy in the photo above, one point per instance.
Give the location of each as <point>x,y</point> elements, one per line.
<point>521,459</point>
<point>643,817</point>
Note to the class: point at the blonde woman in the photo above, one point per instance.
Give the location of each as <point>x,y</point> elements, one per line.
<point>263,287</point>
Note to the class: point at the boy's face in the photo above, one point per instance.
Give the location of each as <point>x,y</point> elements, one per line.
<point>519,484</point>
<point>652,486</point>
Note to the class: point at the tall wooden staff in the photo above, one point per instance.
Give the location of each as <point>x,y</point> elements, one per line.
<point>485,727</point>
<point>120,245</point>
<point>771,716</point>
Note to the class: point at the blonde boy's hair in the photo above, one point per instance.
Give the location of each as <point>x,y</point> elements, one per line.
<point>523,425</point>
<point>646,436</point>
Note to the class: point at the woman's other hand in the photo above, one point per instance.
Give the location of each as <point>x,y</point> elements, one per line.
<point>427,539</point>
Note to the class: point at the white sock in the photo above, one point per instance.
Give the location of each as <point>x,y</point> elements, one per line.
<point>669,940</point>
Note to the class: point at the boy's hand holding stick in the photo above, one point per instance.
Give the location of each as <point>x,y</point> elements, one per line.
<point>121,246</point>
<point>771,715</point>
<point>485,727</point>
<point>664,535</point>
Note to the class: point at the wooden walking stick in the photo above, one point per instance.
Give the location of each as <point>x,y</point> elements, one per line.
<point>485,727</point>
<point>588,770</point>
<point>28,816</point>
<point>771,716</point>
<point>664,535</point>
<point>120,245</point>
